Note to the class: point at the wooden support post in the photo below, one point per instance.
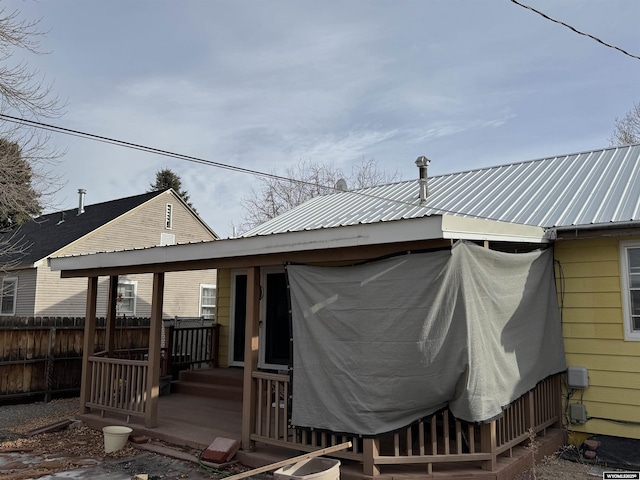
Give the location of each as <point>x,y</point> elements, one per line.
<point>155,337</point>
<point>529,411</point>
<point>250,357</point>
<point>88,343</point>
<point>488,444</point>
<point>110,333</point>
<point>370,451</point>
<point>486,244</point>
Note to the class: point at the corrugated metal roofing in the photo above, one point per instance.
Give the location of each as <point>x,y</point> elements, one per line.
<point>595,187</point>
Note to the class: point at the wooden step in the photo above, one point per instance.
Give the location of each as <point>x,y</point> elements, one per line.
<point>213,376</point>
<point>222,392</point>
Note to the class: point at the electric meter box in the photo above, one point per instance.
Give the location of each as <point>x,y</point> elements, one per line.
<point>577,377</point>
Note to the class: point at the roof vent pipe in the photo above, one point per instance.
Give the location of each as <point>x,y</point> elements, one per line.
<point>422,163</point>
<point>81,194</point>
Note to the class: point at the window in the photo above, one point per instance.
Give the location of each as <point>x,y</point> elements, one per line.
<point>126,304</point>
<point>208,301</point>
<point>8,296</point>
<point>630,271</point>
<point>168,224</point>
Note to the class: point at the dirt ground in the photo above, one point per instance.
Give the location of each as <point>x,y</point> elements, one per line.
<point>41,456</point>
<point>79,447</point>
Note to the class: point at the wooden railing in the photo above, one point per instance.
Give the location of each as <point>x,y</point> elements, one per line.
<point>191,346</point>
<point>118,385</point>
<point>440,438</point>
<point>272,421</point>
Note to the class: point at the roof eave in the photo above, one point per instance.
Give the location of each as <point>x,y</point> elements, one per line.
<point>426,228</point>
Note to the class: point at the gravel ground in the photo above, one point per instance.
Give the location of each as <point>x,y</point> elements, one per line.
<point>81,447</point>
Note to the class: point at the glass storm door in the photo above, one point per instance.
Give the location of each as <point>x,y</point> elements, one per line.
<point>274,321</point>
<point>274,330</point>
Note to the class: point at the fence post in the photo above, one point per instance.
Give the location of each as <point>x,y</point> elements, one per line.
<point>48,375</point>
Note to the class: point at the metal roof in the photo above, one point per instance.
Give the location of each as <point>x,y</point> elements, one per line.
<point>587,188</point>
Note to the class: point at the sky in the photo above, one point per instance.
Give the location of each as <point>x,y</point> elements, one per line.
<point>265,84</point>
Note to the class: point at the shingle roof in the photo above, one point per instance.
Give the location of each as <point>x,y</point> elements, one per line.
<point>47,234</point>
<point>587,188</point>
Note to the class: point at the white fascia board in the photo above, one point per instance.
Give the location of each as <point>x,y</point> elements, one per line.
<point>397,231</point>
<point>466,228</point>
<point>339,237</point>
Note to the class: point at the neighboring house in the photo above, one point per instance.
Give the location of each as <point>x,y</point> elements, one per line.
<point>30,288</point>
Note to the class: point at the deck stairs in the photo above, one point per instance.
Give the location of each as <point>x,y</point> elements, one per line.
<point>218,383</point>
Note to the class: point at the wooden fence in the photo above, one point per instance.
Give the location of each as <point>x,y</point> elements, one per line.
<point>42,357</point>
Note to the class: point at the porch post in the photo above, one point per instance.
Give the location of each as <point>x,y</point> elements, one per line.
<point>110,333</point>
<point>557,394</point>
<point>88,342</point>
<point>488,444</point>
<point>370,451</point>
<point>153,368</point>
<point>250,357</point>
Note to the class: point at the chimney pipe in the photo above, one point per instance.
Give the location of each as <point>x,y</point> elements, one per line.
<point>422,163</point>
<point>81,193</point>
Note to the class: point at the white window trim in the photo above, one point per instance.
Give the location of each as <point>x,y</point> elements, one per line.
<point>15,294</point>
<point>202,287</point>
<point>135,297</point>
<point>168,216</point>
<point>629,333</point>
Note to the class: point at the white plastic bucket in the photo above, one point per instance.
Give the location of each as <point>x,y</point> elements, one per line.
<point>115,437</point>
<point>317,468</point>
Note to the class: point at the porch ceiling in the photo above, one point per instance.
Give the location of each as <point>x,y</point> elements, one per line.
<point>295,246</point>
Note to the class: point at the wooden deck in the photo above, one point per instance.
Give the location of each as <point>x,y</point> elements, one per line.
<point>196,421</point>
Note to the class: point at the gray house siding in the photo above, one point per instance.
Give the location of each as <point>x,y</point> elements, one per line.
<point>26,291</point>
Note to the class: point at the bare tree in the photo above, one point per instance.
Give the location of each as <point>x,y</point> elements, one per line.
<point>303,181</point>
<point>27,183</point>
<point>627,128</point>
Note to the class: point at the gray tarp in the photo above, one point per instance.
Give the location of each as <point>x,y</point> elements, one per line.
<point>380,345</point>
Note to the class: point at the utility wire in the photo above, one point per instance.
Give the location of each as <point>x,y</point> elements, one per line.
<point>575,29</point>
<point>189,158</point>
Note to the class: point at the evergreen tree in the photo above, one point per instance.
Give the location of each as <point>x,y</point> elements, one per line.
<point>165,179</point>
<point>19,201</point>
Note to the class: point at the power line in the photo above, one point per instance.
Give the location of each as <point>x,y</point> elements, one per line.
<point>575,29</point>
<point>190,158</point>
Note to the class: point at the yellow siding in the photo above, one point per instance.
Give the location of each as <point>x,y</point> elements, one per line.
<point>592,299</point>
<point>223,313</point>
<point>593,330</point>
<point>603,363</point>
<point>594,335</point>
<point>593,269</point>
<point>591,315</point>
